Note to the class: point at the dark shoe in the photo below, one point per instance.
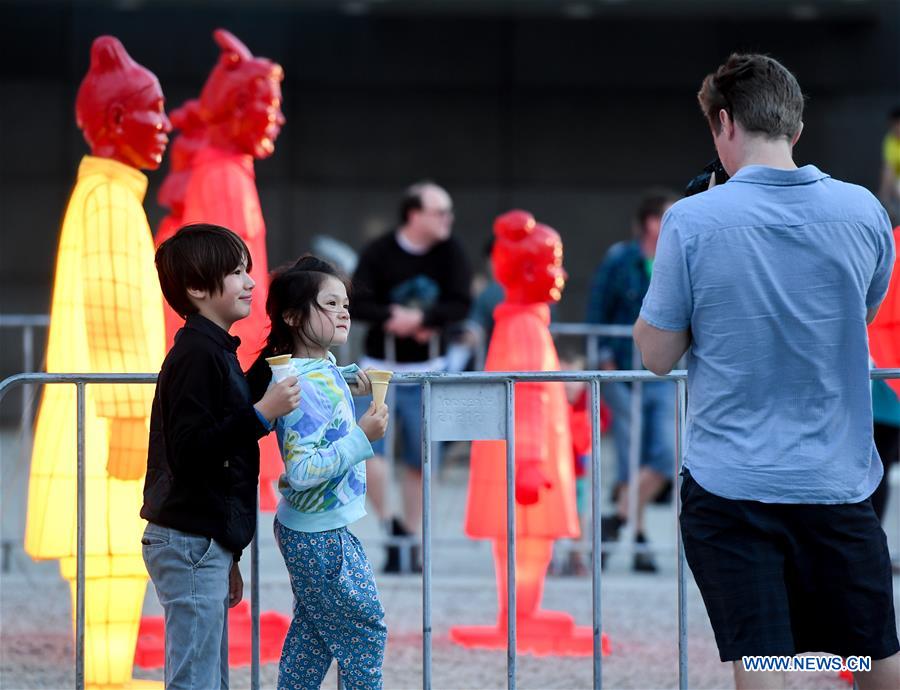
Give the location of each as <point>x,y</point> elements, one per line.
<point>643,562</point>
<point>392,562</point>
<point>609,527</point>
<point>395,561</point>
<point>416,558</point>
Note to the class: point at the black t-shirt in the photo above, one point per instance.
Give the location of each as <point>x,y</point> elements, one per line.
<point>437,282</point>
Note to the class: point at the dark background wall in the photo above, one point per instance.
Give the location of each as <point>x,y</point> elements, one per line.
<point>569,110</point>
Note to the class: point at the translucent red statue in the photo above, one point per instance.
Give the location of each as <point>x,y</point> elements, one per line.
<point>527,261</point>
<point>190,139</point>
<point>240,106</point>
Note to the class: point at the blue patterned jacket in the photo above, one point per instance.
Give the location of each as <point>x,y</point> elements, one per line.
<point>324,482</point>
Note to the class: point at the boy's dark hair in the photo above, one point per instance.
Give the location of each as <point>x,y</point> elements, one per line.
<point>198,256</point>
<point>412,200</point>
<point>653,204</point>
<point>758,92</point>
<point>294,290</point>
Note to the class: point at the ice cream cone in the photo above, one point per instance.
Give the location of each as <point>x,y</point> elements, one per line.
<point>380,380</point>
<point>278,360</point>
<point>280,366</point>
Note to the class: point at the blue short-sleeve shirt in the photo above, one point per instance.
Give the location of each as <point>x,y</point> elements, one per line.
<point>773,272</point>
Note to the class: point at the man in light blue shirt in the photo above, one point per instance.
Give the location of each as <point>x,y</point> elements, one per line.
<point>768,282</point>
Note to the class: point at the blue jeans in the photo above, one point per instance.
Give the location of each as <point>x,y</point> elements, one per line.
<point>190,574</point>
<point>658,426</point>
<point>337,612</point>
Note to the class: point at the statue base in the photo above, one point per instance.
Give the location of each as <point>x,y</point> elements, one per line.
<point>543,633</point>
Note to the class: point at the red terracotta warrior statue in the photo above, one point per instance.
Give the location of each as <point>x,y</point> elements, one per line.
<point>527,262</point>
<point>240,106</point>
<point>190,139</point>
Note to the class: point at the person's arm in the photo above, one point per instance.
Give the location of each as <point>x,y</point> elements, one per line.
<point>456,291</point>
<point>660,349</point>
<point>310,458</point>
<point>364,304</point>
<point>662,331</point>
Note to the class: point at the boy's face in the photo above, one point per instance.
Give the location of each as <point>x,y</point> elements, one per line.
<point>330,323</point>
<point>231,304</point>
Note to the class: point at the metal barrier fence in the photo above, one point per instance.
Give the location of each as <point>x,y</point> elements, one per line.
<point>474,406</point>
<point>591,332</point>
<point>10,530</point>
<point>28,323</point>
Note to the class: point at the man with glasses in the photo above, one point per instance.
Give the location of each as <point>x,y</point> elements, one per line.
<point>410,283</point>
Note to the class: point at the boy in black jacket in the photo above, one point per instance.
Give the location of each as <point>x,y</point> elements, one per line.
<point>203,459</point>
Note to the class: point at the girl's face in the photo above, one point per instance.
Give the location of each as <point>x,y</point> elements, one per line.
<point>329,324</point>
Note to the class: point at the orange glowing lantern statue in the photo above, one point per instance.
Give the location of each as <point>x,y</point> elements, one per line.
<point>190,139</point>
<point>106,316</point>
<point>527,261</point>
<point>241,107</point>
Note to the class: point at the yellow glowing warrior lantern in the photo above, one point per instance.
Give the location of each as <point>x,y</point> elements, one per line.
<point>106,316</point>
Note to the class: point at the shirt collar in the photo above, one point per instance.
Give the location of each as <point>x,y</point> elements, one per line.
<point>763,174</point>
<point>133,178</point>
<point>212,331</point>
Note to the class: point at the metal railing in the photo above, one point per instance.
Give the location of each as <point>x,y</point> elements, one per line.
<point>27,323</point>
<point>592,333</point>
<point>11,538</point>
<point>494,418</point>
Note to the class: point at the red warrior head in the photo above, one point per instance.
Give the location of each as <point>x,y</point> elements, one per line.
<point>119,108</point>
<point>241,100</point>
<point>527,259</point>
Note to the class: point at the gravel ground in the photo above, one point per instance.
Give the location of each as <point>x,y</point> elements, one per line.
<point>639,615</point>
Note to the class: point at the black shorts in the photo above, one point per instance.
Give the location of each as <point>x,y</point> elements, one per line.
<point>786,579</point>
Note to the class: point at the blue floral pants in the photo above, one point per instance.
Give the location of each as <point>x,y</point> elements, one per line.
<point>337,613</point>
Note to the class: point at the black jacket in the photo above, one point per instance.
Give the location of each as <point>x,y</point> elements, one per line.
<point>203,458</point>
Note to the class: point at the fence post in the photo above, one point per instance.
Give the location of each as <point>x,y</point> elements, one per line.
<point>511,535</point>
<point>426,535</point>
<point>679,547</point>
<point>635,434</point>
<point>596,552</point>
<point>81,550</point>
<point>254,603</point>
